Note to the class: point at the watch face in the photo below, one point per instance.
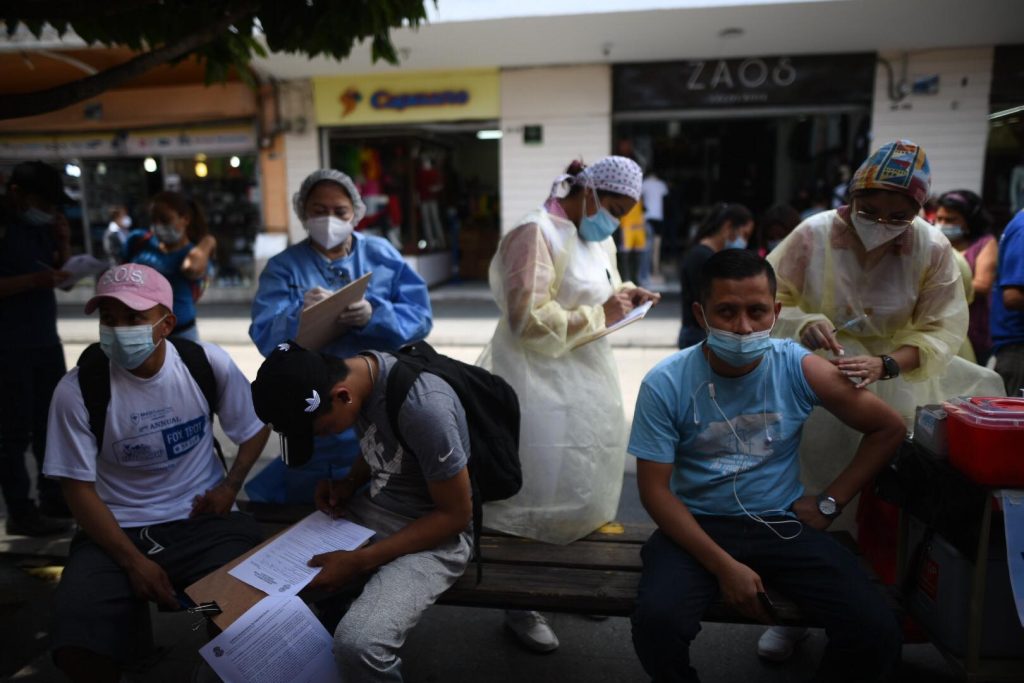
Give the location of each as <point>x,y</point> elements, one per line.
<point>827,507</point>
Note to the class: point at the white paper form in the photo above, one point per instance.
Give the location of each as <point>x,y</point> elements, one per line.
<point>79,266</point>
<point>635,314</point>
<point>277,639</point>
<point>280,567</point>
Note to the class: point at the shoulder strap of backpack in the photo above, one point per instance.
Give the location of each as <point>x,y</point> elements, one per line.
<point>94,382</point>
<point>194,357</point>
<point>409,363</point>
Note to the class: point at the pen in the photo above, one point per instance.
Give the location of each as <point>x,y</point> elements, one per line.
<point>609,274</point>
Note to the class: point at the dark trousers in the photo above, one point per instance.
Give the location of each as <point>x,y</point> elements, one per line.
<point>1010,366</point>
<point>813,570</point>
<point>95,607</point>
<point>27,380</point>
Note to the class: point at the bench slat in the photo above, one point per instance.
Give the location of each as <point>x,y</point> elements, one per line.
<point>581,554</point>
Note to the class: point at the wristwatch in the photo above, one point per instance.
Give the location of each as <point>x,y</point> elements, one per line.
<point>890,366</point>
<point>828,506</point>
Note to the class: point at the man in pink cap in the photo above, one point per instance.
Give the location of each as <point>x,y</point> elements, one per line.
<point>131,442</point>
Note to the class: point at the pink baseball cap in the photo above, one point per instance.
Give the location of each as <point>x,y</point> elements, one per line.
<point>138,287</point>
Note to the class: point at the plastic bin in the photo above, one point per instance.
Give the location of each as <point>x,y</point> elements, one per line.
<point>941,598</point>
<point>985,439</point>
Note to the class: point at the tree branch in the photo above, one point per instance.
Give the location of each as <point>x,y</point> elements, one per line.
<point>42,101</point>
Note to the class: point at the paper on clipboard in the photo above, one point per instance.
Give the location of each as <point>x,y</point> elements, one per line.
<point>637,313</point>
<point>318,324</point>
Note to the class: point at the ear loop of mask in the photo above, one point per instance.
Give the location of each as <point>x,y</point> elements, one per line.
<point>740,445</point>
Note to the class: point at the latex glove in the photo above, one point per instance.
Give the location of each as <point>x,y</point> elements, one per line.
<point>315,296</point>
<point>357,314</point>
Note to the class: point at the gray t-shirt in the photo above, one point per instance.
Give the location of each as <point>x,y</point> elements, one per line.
<point>433,423</point>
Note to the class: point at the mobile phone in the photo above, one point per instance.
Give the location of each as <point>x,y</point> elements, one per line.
<point>769,606</point>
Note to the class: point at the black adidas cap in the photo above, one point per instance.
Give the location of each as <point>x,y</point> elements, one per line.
<point>292,388</point>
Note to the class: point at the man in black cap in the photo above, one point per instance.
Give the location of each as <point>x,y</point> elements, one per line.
<point>417,500</point>
<point>34,244</point>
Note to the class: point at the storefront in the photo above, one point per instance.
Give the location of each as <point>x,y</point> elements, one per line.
<point>1004,155</point>
<point>755,130</point>
<point>213,165</point>
<point>423,149</point>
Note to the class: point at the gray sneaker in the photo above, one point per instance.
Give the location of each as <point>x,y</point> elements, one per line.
<point>532,630</point>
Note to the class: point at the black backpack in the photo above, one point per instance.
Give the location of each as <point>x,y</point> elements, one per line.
<point>492,419</point>
<point>94,382</point>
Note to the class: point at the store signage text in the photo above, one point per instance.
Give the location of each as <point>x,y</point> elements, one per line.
<point>749,81</point>
<point>400,101</point>
<point>750,73</point>
<point>383,99</point>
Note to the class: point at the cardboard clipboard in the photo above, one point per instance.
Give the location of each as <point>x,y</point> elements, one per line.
<point>234,597</point>
<point>318,324</point>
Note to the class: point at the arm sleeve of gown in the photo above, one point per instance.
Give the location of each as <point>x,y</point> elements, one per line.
<point>938,324</point>
<point>790,260</point>
<point>275,309</point>
<point>402,318</point>
<point>526,294</point>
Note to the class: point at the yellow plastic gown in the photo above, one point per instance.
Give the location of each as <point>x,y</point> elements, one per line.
<point>550,286</point>
<point>911,294</point>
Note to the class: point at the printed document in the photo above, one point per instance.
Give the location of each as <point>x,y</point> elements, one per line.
<point>637,313</point>
<point>280,568</point>
<point>79,266</point>
<point>278,639</point>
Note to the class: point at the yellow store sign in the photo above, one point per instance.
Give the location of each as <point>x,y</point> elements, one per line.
<point>406,97</point>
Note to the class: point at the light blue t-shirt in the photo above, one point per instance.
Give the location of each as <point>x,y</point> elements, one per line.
<point>676,421</point>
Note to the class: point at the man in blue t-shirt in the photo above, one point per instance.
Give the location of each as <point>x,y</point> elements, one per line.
<point>1007,319</point>
<point>716,433</point>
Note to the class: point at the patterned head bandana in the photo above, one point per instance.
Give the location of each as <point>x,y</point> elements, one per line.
<point>899,166</point>
<point>611,174</point>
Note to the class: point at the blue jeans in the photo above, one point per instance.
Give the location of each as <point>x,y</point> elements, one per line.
<point>813,570</point>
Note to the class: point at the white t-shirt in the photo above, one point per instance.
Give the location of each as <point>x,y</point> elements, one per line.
<point>653,191</point>
<point>158,440</point>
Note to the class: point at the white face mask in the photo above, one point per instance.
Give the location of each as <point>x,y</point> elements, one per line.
<point>328,231</point>
<point>872,234</point>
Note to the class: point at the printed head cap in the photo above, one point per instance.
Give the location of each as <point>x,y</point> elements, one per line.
<point>899,166</point>
<point>138,287</point>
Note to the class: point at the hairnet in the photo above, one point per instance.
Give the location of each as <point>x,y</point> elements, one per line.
<point>299,198</point>
<point>900,166</point>
<point>612,174</point>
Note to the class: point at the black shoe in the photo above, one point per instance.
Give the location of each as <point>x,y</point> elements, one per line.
<point>33,523</point>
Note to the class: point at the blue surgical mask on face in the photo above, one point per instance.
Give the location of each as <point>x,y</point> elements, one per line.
<point>37,217</point>
<point>738,243</point>
<point>739,350</point>
<point>601,225</point>
<point>952,231</point>
<point>128,346</point>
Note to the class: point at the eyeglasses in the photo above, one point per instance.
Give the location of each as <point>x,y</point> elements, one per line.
<point>887,222</point>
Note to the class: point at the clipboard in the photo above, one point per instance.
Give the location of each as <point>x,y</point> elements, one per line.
<point>637,313</point>
<point>234,597</point>
<point>318,323</point>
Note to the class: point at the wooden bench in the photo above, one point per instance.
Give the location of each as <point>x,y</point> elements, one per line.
<point>597,574</point>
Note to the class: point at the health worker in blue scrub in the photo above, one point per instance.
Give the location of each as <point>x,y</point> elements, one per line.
<point>395,311</point>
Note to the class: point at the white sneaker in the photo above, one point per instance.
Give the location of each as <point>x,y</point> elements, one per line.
<point>532,630</point>
<point>777,643</point>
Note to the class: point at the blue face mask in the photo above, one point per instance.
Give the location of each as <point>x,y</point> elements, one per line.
<point>37,217</point>
<point>130,346</point>
<point>738,243</point>
<point>598,227</point>
<point>739,350</point>
<point>952,231</point>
